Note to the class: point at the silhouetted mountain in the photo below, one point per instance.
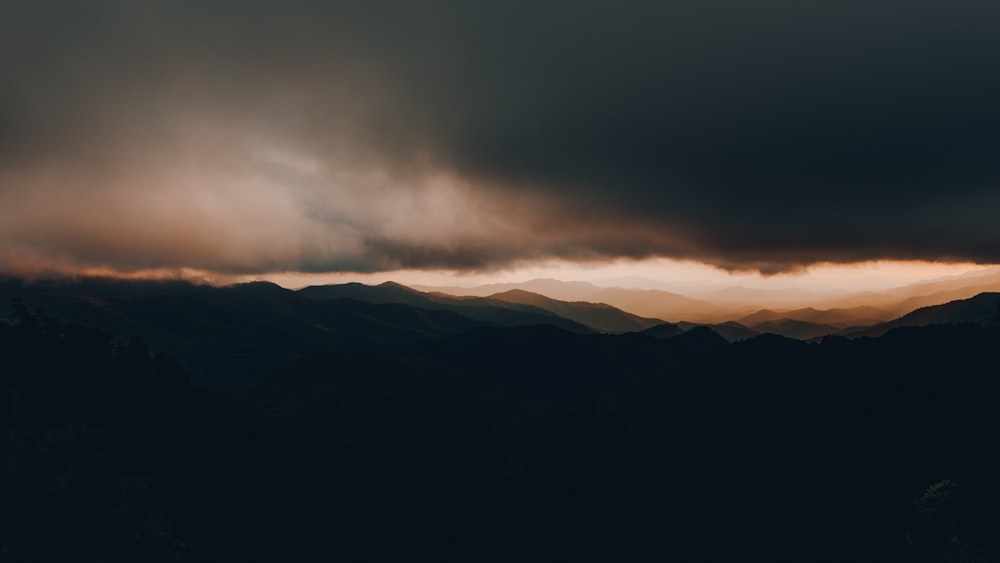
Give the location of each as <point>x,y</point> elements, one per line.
<point>834,317</point>
<point>665,330</point>
<point>651,303</point>
<point>426,435</point>
<point>231,334</point>
<point>795,329</point>
<point>555,289</point>
<point>734,331</point>
<point>388,292</point>
<point>491,311</point>
<point>109,454</point>
<point>944,296</point>
<point>699,339</point>
<point>715,304</point>
<point>601,317</point>
<point>983,309</point>
<point>730,330</point>
<point>795,323</point>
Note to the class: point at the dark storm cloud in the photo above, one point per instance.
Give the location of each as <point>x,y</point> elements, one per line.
<point>315,136</point>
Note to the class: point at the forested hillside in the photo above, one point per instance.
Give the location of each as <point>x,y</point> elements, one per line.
<point>525,443</point>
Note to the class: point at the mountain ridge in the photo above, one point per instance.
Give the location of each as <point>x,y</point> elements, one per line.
<point>982,309</point>
<point>600,316</point>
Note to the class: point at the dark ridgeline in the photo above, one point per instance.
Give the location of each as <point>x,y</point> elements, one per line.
<point>384,431</point>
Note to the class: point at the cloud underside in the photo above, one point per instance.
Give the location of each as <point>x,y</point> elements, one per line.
<point>348,136</point>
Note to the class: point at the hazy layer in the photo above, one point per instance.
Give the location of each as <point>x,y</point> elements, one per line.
<point>691,278</point>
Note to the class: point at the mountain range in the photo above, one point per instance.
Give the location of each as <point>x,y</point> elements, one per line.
<point>319,423</point>
<point>712,304</point>
<point>983,309</point>
<point>650,303</point>
<point>227,335</point>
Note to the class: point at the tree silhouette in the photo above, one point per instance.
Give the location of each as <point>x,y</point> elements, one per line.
<point>935,534</point>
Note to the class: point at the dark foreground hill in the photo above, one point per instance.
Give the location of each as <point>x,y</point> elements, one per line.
<point>490,311</point>
<point>230,335</point>
<point>528,443</point>
<point>630,447</point>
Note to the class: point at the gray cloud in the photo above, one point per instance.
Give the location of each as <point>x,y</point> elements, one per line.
<point>322,136</point>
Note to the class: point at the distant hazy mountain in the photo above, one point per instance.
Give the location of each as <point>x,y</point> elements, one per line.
<point>760,297</point>
<point>944,296</point>
<point>714,305</point>
<point>648,303</point>
<point>665,305</point>
<point>902,300</point>
<point>838,318</point>
<point>599,316</point>
<point>491,311</point>
<point>388,292</point>
<point>983,309</point>
<point>566,291</point>
<point>894,302</point>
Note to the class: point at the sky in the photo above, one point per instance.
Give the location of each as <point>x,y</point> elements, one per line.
<point>479,140</point>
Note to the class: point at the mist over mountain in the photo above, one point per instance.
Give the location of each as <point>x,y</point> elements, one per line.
<point>902,300</point>
<point>644,302</point>
<point>742,296</point>
<point>774,335</point>
<point>783,311</point>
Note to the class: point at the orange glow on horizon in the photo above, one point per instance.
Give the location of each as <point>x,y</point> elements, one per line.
<point>837,278</point>
<point>666,274</point>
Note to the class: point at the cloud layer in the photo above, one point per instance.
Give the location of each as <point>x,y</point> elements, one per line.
<point>357,136</point>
